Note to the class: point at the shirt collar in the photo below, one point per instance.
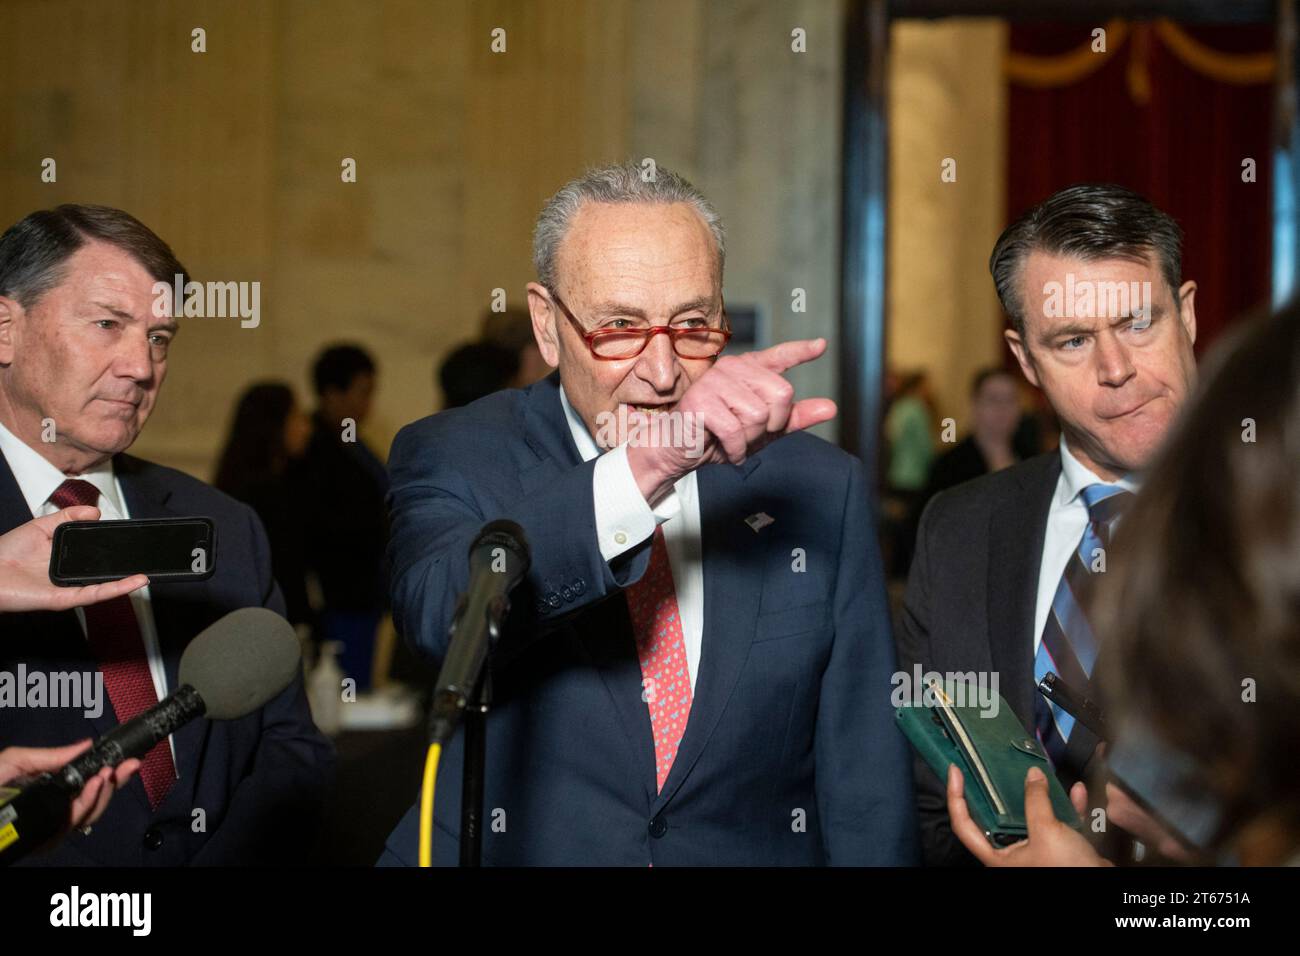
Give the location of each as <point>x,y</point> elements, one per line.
<point>1076,476</point>
<point>38,479</point>
<point>581,437</point>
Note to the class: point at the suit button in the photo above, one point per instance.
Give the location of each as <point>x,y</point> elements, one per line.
<point>567,593</point>
<point>579,586</point>
<point>553,599</point>
<point>658,827</point>
<point>153,838</point>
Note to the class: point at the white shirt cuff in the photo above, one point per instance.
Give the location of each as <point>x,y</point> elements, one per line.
<point>623,518</point>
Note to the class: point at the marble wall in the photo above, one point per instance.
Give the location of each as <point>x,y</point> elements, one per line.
<point>234,156</point>
<point>947,101</point>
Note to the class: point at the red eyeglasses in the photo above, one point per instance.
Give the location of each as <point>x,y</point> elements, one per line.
<point>692,342</point>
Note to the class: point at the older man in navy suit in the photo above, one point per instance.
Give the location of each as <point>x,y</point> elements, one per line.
<point>83,354</point>
<point>697,665</point>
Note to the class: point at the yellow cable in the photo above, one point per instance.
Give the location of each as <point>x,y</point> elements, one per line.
<point>426,804</point>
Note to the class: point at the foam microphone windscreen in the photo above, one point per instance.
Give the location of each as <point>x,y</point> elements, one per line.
<point>240,662</point>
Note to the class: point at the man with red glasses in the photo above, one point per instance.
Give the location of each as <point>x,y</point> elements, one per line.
<point>697,667</point>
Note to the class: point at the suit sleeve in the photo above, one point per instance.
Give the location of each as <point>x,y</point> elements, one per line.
<point>436,517</point>
<point>864,774</point>
<point>276,808</point>
<point>938,845</point>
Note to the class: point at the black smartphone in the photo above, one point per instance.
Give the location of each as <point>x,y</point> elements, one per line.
<point>1079,706</point>
<point>166,549</point>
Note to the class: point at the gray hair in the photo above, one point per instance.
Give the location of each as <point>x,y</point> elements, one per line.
<point>619,183</point>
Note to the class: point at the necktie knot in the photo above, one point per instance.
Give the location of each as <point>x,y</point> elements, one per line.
<point>1105,502</point>
<point>75,491</point>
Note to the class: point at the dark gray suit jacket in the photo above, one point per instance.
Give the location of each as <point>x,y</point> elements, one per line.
<point>970,604</point>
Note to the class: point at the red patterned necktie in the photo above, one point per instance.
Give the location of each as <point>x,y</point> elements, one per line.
<point>661,648</point>
<point>114,637</point>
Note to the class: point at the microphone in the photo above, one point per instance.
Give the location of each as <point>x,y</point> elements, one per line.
<point>498,560</point>
<point>232,668</point>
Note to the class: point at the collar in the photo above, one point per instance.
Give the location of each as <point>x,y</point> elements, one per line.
<point>578,428</point>
<point>1075,476</point>
<point>38,479</point>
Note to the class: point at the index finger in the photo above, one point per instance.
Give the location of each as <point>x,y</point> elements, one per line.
<point>786,355</point>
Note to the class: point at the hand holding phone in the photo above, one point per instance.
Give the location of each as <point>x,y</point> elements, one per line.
<point>165,549</point>
<point>25,583</point>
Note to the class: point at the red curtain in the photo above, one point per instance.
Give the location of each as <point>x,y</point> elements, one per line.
<point>1147,120</point>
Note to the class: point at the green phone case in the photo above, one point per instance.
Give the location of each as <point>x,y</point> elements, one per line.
<point>993,754</point>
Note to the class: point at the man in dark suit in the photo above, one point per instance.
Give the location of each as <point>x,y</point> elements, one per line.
<point>697,666</point>
<point>1103,323</point>
<point>83,354</point>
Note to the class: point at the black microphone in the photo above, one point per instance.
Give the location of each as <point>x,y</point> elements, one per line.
<point>498,560</point>
<point>229,670</point>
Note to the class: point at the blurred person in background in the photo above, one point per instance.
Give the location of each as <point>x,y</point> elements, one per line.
<point>268,434</point>
<point>513,330</point>
<point>995,416</point>
<point>344,483</point>
<point>474,370</point>
<point>1200,615</point>
<point>910,455</point>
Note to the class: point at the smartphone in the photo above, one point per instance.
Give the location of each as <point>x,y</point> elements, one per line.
<point>166,549</point>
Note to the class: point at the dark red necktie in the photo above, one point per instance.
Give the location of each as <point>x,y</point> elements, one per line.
<point>114,636</point>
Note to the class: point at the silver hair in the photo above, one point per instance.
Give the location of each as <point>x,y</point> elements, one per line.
<point>618,183</point>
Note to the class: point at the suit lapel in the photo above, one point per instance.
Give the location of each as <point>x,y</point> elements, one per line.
<point>730,612</point>
<point>13,506</point>
<point>62,635</point>
<point>605,632</point>
<point>1017,531</point>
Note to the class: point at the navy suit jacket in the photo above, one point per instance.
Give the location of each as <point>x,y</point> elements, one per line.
<point>260,780</point>
<point>790,754</point>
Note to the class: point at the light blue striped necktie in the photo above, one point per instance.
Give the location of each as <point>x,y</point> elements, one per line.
<point>1068,647</point>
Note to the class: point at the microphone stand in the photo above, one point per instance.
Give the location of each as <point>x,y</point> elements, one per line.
<point>474,768</point>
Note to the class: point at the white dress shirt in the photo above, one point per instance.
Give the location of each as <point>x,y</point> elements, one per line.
<point>1066,520</point>
<point>624,520</point>
<point>38,479</point>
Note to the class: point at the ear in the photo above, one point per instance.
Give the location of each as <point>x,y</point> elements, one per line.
<point>1021,352</point>
<point>1187,308</point>
<point>10,312</point>
<point>544,324</point>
